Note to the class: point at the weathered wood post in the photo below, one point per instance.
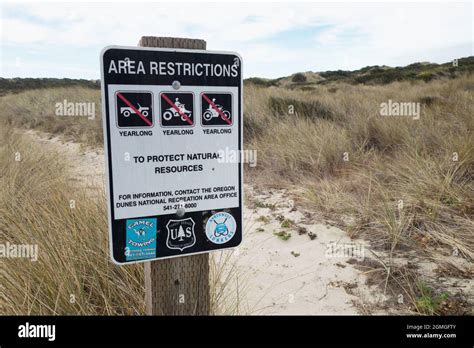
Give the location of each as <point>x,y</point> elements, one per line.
<point>178,286</point>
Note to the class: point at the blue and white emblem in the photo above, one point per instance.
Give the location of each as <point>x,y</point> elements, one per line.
<point>220,228</point>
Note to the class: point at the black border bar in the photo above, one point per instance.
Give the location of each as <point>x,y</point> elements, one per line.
<point>261,330</point>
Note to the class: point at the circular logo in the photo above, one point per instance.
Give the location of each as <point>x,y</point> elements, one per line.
<point>220,228</point>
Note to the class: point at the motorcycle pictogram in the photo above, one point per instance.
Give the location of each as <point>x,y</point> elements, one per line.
<point>211,112</point>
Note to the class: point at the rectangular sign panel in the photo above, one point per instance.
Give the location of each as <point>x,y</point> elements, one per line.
<point>173,140</point>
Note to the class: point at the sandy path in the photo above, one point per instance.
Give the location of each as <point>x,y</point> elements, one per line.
<point>295,275</point>
<point>278,274</point>
<point>86,166</point>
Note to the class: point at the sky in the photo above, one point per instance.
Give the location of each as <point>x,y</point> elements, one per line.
<point>274,39</point>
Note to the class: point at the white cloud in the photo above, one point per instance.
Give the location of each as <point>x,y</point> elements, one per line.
<point>357,34</point>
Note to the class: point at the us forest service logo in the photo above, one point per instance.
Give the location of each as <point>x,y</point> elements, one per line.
<point>220,228</point>
<point>180,234</point>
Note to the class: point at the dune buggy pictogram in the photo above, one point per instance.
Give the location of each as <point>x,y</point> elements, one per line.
<point>134,109</point>
<point>127,110</point>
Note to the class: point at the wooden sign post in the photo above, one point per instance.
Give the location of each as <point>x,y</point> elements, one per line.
<point>178,109</point>
<point>177,286</point>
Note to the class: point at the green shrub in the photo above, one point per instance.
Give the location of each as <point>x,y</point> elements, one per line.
<point>298,78</point>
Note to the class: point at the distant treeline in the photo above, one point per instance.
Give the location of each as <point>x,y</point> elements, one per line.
<point>377,75</point>
<point>417,71</point>
<point>369,75</point>
<point>17,84</point>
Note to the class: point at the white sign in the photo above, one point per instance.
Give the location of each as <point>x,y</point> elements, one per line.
<point>173,140</point>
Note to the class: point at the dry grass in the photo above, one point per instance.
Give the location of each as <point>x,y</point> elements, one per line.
<point>406,184</point>
<point>36,109</point>
<point>388,159</point>
<point>73,274</point>
<point>403,184</point>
